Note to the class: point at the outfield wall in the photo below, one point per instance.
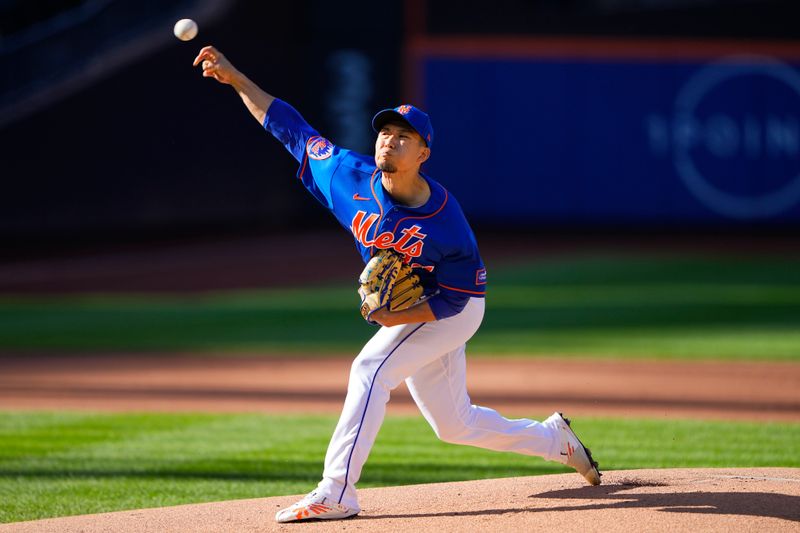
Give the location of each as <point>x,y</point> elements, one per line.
<point>545,132</point>
<point>614,131</point>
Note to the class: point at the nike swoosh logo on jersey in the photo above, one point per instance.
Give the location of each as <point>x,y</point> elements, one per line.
<point>357,197</point>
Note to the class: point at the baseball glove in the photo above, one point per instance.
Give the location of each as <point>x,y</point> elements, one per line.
<point>387,282</point>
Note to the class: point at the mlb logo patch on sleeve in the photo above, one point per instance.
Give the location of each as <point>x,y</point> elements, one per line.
<point>319,148</point>
<point>480,277</point>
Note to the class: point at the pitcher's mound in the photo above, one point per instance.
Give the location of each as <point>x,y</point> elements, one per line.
<point>753,499</point>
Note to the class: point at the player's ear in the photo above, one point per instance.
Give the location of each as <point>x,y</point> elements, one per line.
<point>424,154</point>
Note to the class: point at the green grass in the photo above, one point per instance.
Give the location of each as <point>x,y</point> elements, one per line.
<point>605,306</point>
<point>67,463</point>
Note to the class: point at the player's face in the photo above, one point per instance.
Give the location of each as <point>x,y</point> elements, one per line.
<point>399,149</point>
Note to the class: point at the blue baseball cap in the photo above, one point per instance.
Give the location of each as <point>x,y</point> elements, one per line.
<point>413,116</point>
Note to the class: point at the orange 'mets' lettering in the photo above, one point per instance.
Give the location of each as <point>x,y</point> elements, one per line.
<point>361,225</point>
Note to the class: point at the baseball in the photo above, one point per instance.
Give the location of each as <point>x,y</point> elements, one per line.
<point>185,29</point>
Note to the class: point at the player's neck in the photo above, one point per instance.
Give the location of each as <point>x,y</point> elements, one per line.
<point>409,189</point>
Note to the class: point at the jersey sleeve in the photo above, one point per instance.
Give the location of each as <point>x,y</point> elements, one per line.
<point>462,273</point>
<point>289,127</point>
<point>460,276</point>
<point>318,157</point>
<point>448,303</point>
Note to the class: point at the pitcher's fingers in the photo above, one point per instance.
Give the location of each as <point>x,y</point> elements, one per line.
<point>201,56</point>
<point>207,52</point>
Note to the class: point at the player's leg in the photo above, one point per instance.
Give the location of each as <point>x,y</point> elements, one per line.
<point>440,391</point>
<point>388,358</point>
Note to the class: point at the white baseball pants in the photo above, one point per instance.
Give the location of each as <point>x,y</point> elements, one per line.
<point>430,357</point>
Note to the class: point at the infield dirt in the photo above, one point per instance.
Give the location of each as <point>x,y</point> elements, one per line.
<point>131,382</point>
<point>756,499</point>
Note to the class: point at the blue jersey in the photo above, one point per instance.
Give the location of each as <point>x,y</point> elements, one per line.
<point>435,238</point>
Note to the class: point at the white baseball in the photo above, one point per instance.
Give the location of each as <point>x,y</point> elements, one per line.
<point>185,29</point>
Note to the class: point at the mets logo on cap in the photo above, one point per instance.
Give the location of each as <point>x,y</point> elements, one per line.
<point>319,148</point>
<point>403,109</point>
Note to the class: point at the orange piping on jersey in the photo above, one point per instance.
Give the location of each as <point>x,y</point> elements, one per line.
<point>380,206</point>
<point>302,170</point>
<point>305,156</point>
<point>461,290</point>
<point>446,196</point>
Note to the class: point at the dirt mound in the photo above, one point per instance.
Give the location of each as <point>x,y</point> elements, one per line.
<point>753,499</point>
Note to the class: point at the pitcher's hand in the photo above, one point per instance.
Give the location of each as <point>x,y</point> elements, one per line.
<point>215,65</point>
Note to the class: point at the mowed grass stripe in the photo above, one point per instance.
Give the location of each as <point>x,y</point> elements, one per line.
<point>636,269</point>
<point>637,307</point>
<point>746,342</point>
<point>668,294</point>
<point>505,294</point>
<point>62,464</point>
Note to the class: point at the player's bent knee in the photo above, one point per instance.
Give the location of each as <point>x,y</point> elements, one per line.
<point>458,430</point>
<point>452,434</point>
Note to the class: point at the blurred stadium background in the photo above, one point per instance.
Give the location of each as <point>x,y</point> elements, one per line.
<point>599,116</point>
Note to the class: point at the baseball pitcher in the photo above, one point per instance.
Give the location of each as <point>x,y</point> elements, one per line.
<point>424,283</point>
